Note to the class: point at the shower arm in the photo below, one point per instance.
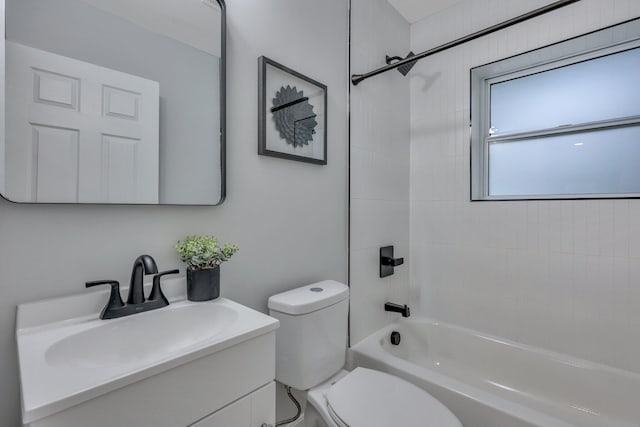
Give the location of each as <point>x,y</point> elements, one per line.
<point>357,78</point>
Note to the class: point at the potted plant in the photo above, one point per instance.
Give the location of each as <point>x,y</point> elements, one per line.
<point>203,257</point>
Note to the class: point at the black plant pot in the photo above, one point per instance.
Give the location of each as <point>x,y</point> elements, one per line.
<point>203,285</point>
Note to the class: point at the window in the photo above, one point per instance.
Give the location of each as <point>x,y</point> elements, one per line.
<point>560,122</point>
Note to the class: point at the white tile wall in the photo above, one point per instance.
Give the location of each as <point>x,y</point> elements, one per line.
<point>379,161</point>
<point>563,275</point>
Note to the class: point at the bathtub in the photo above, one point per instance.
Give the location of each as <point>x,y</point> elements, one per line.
<point>492,382</point>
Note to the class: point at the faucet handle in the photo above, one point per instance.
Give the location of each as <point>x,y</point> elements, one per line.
<point>156,290</point>
<point>115,300</point>
<point>388,262</point>
<point>393,262</point>
<point>164,273</point>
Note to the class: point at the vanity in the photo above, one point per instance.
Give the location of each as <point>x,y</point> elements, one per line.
<point>205,364</point>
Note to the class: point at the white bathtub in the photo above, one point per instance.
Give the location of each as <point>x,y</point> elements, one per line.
<point>491,382</point>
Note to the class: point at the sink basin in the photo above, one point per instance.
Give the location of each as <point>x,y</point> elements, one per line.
<point>141,338</point>
<point>68,356</point>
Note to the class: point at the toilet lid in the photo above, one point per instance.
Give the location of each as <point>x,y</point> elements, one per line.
<point>368,398</point>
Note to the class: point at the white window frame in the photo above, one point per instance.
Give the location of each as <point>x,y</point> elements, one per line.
<point>609,41</point>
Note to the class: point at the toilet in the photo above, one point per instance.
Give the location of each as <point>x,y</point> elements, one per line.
<point>311,346</point>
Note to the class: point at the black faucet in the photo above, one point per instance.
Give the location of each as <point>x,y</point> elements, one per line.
<point>136,303</point>
<point>144,264</point>
<point>397,308</point>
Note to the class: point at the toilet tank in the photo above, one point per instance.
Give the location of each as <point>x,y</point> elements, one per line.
<point>311,342</point>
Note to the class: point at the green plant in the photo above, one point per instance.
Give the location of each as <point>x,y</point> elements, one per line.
<point>203,252</point>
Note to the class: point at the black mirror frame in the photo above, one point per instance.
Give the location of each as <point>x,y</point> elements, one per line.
<point>223,102</point>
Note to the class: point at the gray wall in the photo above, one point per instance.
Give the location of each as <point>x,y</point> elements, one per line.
<point>289,218</point>
<point>188,78</point>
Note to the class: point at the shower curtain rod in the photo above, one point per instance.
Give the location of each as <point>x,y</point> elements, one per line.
<point>357,78</point>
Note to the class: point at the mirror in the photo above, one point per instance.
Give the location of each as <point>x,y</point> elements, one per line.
<point>113,101</point>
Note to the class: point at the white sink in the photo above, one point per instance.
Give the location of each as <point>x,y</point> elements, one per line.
<point>142,338</point>
<point>66,360</point>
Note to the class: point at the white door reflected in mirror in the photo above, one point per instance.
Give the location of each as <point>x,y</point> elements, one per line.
<point>77,132</point>
<point>113,101</point>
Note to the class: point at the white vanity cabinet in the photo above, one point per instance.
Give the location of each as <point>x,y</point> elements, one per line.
<point>230,381</point>
<point>209,364</point>
<point>255,410</point>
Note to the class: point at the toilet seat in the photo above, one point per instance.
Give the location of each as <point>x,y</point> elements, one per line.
<point>368,398</point>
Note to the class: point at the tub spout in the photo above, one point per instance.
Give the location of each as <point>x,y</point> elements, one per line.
<point>397,308</point>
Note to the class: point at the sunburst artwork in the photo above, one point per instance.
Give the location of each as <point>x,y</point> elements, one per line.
<point>292,114</point>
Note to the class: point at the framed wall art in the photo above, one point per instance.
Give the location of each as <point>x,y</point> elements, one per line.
<point>292,114</point>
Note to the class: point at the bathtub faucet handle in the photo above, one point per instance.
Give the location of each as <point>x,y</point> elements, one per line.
<point>393,262</point>
<point>397,308</point>
<point>388,262</point>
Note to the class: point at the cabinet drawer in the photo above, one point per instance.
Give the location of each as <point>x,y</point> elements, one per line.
<point>253,410</point>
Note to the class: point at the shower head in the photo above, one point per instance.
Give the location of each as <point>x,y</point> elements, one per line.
<point>403,69</point>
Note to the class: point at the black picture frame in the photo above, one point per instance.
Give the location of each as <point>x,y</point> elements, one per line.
<point>303,134</point>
